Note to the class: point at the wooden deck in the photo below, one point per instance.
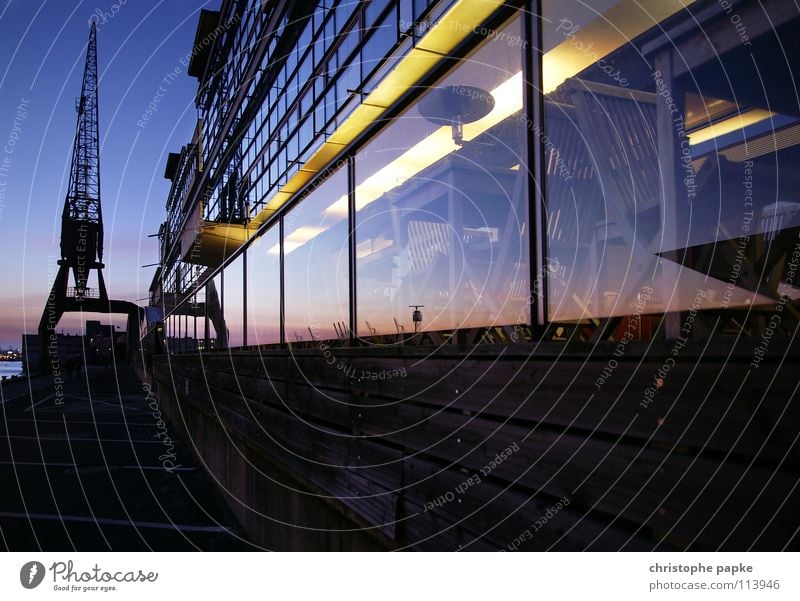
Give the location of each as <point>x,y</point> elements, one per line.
<point>398,448</point>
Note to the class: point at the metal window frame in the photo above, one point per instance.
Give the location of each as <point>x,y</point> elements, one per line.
<point>282,295</point>
<point>351,245</point>
<point>537,215</point>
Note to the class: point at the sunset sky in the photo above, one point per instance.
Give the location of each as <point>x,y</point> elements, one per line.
<point>42,53</point>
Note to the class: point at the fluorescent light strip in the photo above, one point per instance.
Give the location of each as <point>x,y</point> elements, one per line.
<point>426,152</point>
<point>737,122</point>
<point>595,40</point>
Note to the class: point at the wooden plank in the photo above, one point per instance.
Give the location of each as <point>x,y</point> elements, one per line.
<point>672,496</point>
<point>626,471</point>
<point>712,416</point>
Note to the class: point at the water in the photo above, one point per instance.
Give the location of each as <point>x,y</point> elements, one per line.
<point>10,368</point>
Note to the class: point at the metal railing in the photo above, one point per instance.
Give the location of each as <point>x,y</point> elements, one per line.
<point>87,292</point>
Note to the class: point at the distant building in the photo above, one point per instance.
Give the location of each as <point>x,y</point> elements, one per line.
<point>101,343</point>
<point>60,347</point>
<point>96,329</point>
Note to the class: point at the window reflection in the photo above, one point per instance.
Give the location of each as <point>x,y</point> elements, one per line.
<point>316,263</point>
<point>666,190</point>
<point>441,202</point>
<point>233,301</point>
<point>198,310</point>
<point>170,345</point>
<point>263,290</point>
<point>217,330</point>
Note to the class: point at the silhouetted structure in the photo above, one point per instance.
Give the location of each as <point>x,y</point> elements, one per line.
<point>82,223</point>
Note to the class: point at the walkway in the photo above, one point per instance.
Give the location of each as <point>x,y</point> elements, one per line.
<point>97,472</point>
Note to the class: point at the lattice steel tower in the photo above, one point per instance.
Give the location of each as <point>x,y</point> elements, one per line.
<point>82,221</point>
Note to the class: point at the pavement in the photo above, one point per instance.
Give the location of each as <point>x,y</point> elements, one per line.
<point>87,466</point>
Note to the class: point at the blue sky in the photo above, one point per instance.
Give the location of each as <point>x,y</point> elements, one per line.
<point>42,53</point>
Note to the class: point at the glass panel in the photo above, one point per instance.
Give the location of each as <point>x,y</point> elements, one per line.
<point>316,263</point>
<point>666,189</point>
<point>168,333</point>
<point>263,289</point>
<point>216,323</point>
<point>379,44</point>
<point>374,10</point>
<point>200,319</point>
<point>182,331</point>
<point>189,344</point>
<point>171,342</point>
<point>194,342</point>
<point>233,301</point>
<point>441,199</point>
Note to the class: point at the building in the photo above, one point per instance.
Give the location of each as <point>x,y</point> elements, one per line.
<point>382,198</point>
<point>60,347</point>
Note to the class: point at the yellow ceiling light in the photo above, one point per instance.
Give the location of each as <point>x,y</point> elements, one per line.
<point>428,151</point>
<point>437,145</point>
<point>726,126</point>
<point>589,43</point>
<point>508,100</point>
<point>298,237</point>
<point>338,209</point>
<point>462,19</point>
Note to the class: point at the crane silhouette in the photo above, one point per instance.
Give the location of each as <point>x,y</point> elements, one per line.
<point>82,226</point>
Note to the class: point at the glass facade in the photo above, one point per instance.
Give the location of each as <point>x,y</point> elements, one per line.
<point>442,202</point>
<point>635,183</point>
<point>665,190</point>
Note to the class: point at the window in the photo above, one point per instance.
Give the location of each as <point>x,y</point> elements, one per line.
<point>379,44</point>
<point>233,301</point>
<point>263,289</point>
<point>197,320</point>
<point>441,199</point>
<point>316,263</point>
<point>217,338</point>
<point>168,334</point>
<point>666,190</point>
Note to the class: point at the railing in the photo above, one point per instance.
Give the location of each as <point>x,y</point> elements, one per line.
<point>87,292</point>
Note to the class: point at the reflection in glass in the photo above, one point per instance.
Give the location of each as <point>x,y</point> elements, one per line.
<point>199,312</point>
<point>263,290</point>
<point>233,301</point>
<point>192,342</point>
<point>214,319</point>
<point>316,263</point>
<point>441,202</point>
<point>168,332</point>
<point>663,193</point>
<point>217,330</point>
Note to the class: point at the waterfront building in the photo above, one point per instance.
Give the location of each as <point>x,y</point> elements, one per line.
<point>421,187</point>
